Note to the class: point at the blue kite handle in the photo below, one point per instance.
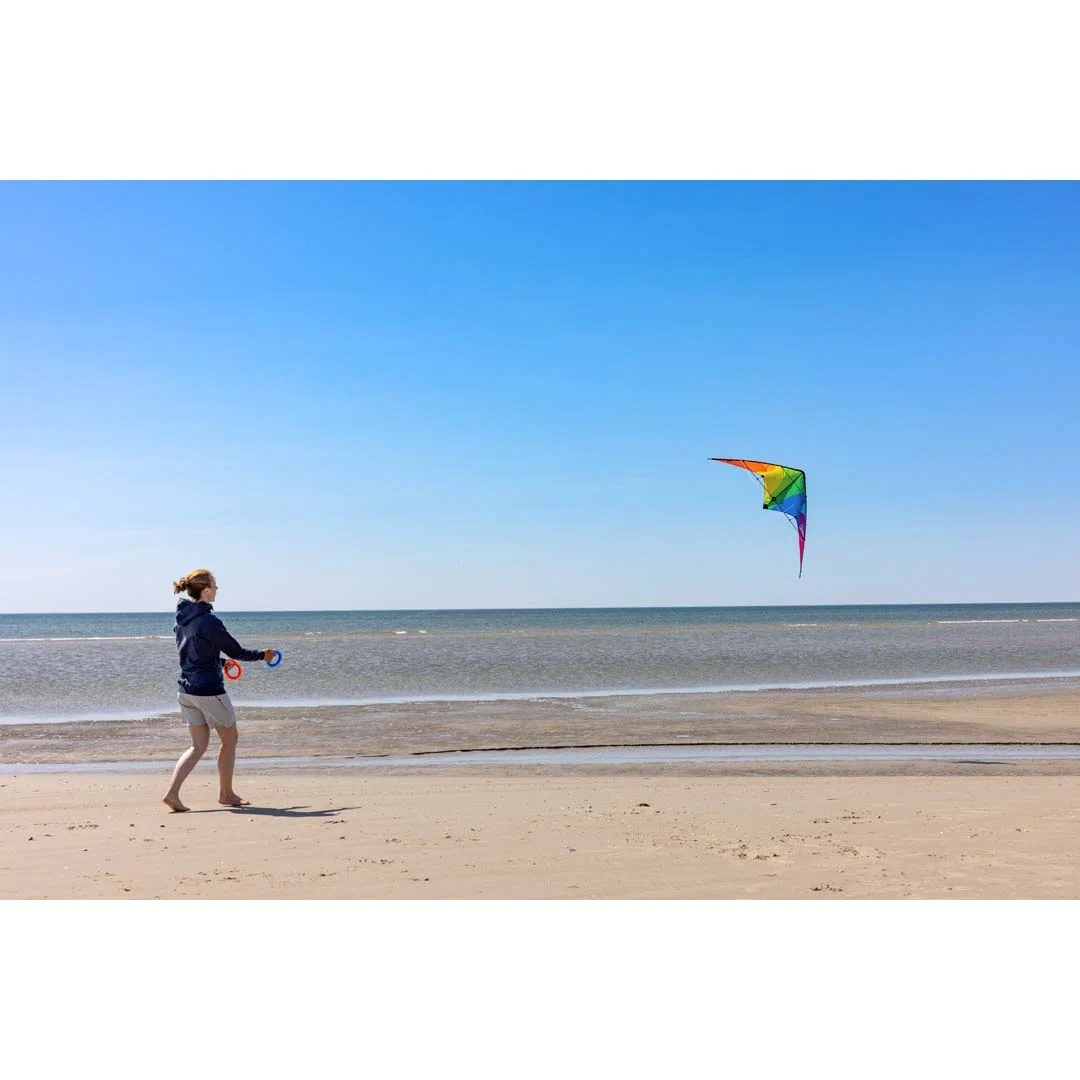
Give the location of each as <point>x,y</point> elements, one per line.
<point>277,652</point>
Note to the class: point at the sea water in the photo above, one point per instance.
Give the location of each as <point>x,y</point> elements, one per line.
<point>124,666</point>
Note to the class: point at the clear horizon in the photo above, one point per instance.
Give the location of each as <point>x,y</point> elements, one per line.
<point>589,607</point>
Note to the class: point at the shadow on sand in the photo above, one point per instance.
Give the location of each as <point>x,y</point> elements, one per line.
<point>277,811</point>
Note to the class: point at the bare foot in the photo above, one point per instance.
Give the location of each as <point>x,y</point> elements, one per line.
<point>233,800</point>
<point>175,805</point>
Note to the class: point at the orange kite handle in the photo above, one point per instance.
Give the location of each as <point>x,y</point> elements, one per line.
<point>229,665</point>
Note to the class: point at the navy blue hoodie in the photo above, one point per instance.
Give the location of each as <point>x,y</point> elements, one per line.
<point>201,638</point>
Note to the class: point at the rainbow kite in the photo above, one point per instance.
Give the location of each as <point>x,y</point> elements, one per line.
<point>785,490</point>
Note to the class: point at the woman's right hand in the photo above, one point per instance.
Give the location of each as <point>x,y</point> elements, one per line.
<point>269,654</point>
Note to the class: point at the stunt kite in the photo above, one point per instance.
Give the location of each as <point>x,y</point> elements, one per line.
<point>785,490</point>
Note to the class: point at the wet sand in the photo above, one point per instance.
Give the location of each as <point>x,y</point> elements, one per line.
<point>970,713</point>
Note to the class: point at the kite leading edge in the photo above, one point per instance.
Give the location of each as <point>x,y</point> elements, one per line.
<point>785,490</point>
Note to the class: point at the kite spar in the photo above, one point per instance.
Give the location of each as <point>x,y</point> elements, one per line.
<point>785,490</point>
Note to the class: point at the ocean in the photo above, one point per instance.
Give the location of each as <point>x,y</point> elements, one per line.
<point>123,666</point>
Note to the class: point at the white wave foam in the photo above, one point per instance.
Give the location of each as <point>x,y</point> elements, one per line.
<point>126,717</point>
<point>550,695</point>
<point>744,688</point>
<point>116,637</point>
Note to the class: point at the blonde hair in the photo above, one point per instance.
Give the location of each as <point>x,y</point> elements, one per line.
<point>194,581</point>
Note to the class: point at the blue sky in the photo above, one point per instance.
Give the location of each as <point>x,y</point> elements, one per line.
<point>381,395</point>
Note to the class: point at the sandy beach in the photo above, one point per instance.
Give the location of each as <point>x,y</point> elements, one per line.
<point>544,836</point>
<point>794,830</point>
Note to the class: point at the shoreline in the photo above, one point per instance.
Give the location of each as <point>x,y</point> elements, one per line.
<point>715,758</point>
<point>922,716</point>
<point>999,682</point>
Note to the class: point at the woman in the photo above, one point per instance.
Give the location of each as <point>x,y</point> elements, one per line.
<point>201,637</point>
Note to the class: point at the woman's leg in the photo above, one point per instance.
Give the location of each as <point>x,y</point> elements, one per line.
<point>200,740</point>
<point>225,763</point>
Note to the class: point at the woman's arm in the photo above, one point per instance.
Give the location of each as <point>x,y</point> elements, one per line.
<point>223,640</point>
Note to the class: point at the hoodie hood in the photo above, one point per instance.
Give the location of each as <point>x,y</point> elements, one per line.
<point>186,610</point>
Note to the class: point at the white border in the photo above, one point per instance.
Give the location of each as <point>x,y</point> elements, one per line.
<point>608,988</point>
<point>568,89</point>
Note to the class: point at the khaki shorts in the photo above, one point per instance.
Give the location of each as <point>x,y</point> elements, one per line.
<point>214,709</point>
